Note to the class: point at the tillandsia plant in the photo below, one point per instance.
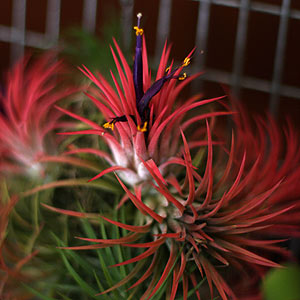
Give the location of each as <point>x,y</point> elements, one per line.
<point>28,121</point>
<point>224,226</point>
<point>204,209</point>
<point>146,116</point>
<point>28,118</point>
<point>202,213</point>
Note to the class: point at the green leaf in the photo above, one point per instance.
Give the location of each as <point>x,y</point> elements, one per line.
<point>117,248</point>
<point>105,256</point>
<point>38,294</point>
<point>100,286</point>
<point>282,283</point>
<point>72,254</point>
<point>82,283</point>
<point>63,296</point>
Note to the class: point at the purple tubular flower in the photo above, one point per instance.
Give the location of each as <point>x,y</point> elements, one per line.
<point>143,104</point>
<point>143,99</point>
<point>138,62</point>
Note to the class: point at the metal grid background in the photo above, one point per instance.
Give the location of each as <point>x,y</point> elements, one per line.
<point>19,37</point>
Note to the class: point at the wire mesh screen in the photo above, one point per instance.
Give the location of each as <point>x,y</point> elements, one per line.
<point>250,45</point>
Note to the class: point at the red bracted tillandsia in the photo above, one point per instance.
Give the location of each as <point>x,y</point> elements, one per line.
<point>228,218</point>
<point>27,115</point>
<point>144,117</point>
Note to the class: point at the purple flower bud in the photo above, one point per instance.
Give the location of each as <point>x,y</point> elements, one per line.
<point>151,92</point>
<point>138,62</point>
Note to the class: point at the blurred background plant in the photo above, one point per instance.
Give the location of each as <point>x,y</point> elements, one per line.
<point>263,77</point>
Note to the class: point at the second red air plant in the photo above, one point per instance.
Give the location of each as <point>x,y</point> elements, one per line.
<point>28,118</point>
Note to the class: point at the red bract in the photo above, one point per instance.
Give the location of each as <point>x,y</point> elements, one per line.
<point>146,115</point>
<point>228,218</point>
<point>28,115</point>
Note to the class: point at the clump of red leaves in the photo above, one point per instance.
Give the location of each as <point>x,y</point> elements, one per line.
<point>231,216</point>
<point>28,117</point>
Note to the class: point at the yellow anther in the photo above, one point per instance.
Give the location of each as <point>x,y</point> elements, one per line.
<point>144,128</point>
<point>138,31</point>
<point>186,62</point>
<point>182,77</point>
<point>167,69</point>
<point>110,125</point>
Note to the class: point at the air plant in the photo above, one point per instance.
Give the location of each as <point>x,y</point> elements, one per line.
<point>218,220</point>
<point>144,117</point>
<point>28,119</point>
<point>206,216</point>
<point>203,212</point>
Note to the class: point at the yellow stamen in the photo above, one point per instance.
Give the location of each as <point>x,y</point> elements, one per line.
<point>167,69</point>
<point>138,31</point>
<point>182,77</point>
<point>144,128</point>
<point>110,125</point>
<point>186,62</point>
